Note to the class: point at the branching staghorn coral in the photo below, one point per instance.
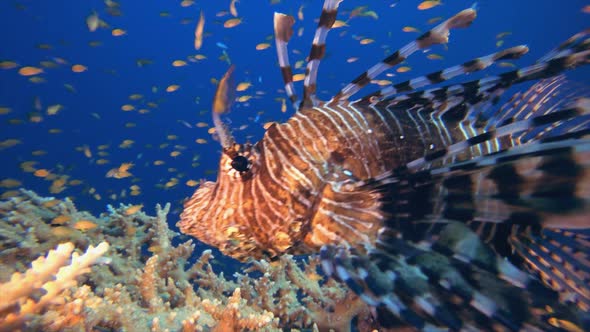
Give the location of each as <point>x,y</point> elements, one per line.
<point>148,284</point>
<point>30,292</point>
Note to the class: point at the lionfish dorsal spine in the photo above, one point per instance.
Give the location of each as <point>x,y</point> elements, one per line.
<point>317,52</point>
<point>441,76</point>
<point>283,29</point>
<point>470,94</point>
<point>437,35</point>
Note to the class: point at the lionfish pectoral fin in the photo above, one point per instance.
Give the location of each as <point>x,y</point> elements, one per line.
<point>512,200</point>
<point>345,215</point>
<point>435,286</point>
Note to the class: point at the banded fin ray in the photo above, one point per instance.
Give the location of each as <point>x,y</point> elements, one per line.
<point>578,55</point>
<point>437,35</point>
<point>441,76</point>
<point>283,28</point>
<point>317,52</point>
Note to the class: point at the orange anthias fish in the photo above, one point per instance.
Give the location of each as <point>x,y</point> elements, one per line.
<point>429,201</point>
<point>424,5</point>
<point>199,32</point>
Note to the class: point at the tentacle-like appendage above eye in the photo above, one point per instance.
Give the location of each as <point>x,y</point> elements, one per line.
<point>240,163</point>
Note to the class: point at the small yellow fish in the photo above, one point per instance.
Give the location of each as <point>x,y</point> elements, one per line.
<point>232,8</point>
<point>424,5</point>
<point>339,24</point>
<point>42,172</point>
<point>92,21</point>
<point>243,86</point>
<point>298,77</point>
<point>62,219</point>
<point>434,56</point>
<point>118,32</point>
<point>29,71</point>
<point>262,46</point>
<point>10,183</point>
<point>243,99</point>
<point>192,183</point>
<point>403,69</point>
<point>54,109</point>
<point>178,63</point>
<point>78,68</point>
<point>381,82</point>
<point>199,32</point>
<point>127,107</point>
<point>172,88</point>
<point>409,29</point>
<point>232,22</point>
<point>133,209</point>
<point>85,225</point>
<point>8,64</point>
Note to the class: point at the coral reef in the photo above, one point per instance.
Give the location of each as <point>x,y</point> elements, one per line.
<point>65,270</point>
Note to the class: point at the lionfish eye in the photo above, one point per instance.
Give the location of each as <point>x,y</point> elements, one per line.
<point>240,163</point>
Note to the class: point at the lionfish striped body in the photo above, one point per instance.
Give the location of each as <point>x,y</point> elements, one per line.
<point>430,204</point>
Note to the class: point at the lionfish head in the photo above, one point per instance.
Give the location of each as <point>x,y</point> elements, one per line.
<point>214,214</point>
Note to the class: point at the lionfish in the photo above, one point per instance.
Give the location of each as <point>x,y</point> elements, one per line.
<point>439,209</point>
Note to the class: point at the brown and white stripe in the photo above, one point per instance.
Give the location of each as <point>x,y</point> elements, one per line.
<point>317,52</point>
<point>283,27</point>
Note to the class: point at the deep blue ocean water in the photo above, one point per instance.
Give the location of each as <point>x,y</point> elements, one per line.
<point>163,31</point>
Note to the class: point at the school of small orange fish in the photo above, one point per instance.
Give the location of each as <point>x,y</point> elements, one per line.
<point>120,160</point>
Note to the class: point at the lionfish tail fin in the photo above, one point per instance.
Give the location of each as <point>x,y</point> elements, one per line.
<point>438,35</point>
